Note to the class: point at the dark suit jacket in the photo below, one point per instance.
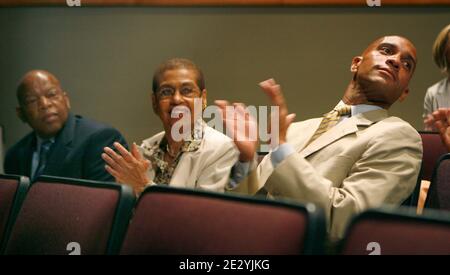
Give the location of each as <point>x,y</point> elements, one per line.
<point>76,152</point>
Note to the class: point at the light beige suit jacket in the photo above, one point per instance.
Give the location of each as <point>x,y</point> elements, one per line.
<point>363,162</point>
<point>207,168</point>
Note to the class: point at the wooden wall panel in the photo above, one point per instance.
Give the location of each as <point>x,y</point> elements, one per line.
<point>221,2</point>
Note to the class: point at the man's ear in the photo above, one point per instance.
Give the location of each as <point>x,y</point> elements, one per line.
<point>67,99</point>
<point>356,61</point>
<point>404,95</point>
<point>154,105</point>
<point>20,114</point>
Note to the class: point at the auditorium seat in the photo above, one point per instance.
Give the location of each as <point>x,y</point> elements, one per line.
<point>439,193</point>
<point>181,221</point>
<point>433,149</point>
<point>12,192</point>
<point>397,231</point>
<point>66,216</point>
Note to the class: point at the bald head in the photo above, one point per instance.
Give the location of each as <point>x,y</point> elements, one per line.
<point>42,103</point>
<point>381,74</point>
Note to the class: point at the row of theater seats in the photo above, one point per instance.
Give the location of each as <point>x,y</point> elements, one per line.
<point>68,216</point>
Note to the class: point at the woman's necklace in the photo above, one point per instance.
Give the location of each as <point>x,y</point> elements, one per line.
<point>172,155</point>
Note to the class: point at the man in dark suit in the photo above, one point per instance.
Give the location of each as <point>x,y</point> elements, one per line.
<point>61,144</point>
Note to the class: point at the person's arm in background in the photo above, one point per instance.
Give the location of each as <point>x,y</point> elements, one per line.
<point>441,120</point>
<point>248,146</point>
<point>241,137</point>
<point>428,119</point>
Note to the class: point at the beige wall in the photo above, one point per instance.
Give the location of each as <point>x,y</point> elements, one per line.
<point>105,56</point>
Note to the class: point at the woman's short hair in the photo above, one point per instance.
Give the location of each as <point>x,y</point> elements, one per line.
<point>177,63</point>
<point>440,49</point>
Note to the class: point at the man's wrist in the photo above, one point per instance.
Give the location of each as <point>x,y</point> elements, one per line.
<point>245,157</point>
<point>281,152</point>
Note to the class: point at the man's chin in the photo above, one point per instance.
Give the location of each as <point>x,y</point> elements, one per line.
<point>49,132</point>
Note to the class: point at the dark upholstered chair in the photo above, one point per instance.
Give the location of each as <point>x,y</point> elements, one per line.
<point>439,193</point>
<point>60,215</point>
<point>433,149</point>
<point>13,189</point>
<point>180,221</point>
<point>398,231</point>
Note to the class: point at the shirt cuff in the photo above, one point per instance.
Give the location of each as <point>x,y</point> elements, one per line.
<point>281,153</point>
<point>238,173</point>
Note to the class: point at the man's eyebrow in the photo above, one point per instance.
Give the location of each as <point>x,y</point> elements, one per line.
<point>165,85</point>
<point>387,44</point>
<point>408,56</point>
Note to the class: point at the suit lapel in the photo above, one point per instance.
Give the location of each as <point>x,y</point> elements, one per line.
<point>26,155</point>
<point>61,148</point>
<point>346,127</point>
<point>300,143</point>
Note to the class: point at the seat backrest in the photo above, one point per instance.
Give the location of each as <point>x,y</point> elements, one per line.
<point>2,146</point>
<point>63,216</point>
<point>397,231</point>
<point>438,196</point>
<point>12,192</point>
<point>433,149</point>
<point>180,221</point>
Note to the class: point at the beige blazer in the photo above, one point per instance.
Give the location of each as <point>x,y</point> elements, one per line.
<point>363,162</point>
<point>207,168</point>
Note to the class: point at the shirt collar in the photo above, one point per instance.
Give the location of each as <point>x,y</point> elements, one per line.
<point>362,108</point>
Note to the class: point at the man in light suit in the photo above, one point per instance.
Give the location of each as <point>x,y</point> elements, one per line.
<point>365,160</point>
<point>61,143</point>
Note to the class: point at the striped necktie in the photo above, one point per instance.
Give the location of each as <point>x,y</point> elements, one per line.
<point>43,154</point>
<point>330,119</point>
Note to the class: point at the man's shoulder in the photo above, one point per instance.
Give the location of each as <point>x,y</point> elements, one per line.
<point>14,153</point>
<point>395,126</point>
<point>88,126</point>
<point>22,143</point>
<point>396,122</point>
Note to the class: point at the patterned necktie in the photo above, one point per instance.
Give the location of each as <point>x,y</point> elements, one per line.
<point>330,119</point>
<point>43,154</point>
